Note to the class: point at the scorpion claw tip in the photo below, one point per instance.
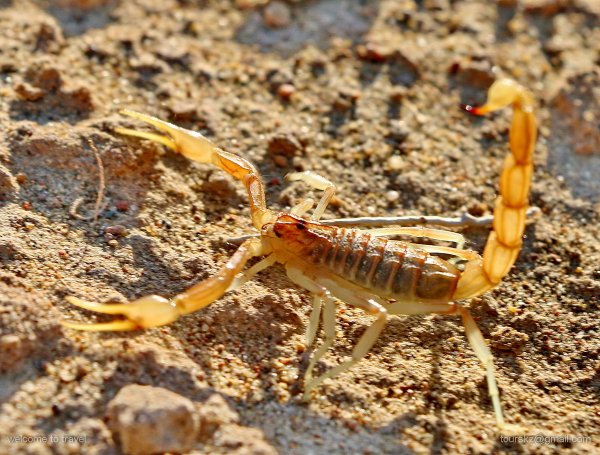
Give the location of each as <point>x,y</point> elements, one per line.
<point>115,326</point>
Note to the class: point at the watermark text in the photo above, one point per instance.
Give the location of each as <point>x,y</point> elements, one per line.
<point>62,438</point>
<point>546,439</point>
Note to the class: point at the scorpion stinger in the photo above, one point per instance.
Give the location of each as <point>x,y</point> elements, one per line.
<point>360,267</point>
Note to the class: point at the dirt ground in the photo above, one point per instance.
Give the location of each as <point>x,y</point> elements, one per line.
<point>366,93</point>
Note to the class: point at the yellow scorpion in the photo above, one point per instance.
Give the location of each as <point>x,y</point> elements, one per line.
<point>358,266</point>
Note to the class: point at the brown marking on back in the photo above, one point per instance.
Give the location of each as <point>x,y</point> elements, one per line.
<point>345,242</point>
<point>378,244</point>
<point>397,260</point>
<point>438,280</point>
<point>359,249</point>
<point>406,279</point>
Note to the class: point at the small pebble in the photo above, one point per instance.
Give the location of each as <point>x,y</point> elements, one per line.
<point>588,116</point>
<point>122,206</point>
<point>10,342</point>
<point>284,144</point>
<point>395,163</point>
<point>117,230</point>
<point>277,15</point>
<point>280,161</point>
<point>392,196</point>
<point>183,111</point>
<point>373,53</point>
<point>285,91</point>
<point>66,375</point>
<point>21,178</point>
<point>151,231</point>
<point>113,243</point>
<point>29,93</point>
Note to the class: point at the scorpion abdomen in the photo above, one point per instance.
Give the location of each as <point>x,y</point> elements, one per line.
<point>392,269</point>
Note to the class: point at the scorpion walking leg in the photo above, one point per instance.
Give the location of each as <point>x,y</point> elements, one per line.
<point>318,182</point>
<point>420,231</point>
<point>320,293</point>
<point>466,219</point>
<point>475,338</point>
<point>153,310</point>
<point>437,234</point>
<point>364,345</point>
<point>313,320</point>
<point>484,355</point>
<point>328,315</point>
<point>366,302</point>
<point>302,207</point>
<point>243,278</point>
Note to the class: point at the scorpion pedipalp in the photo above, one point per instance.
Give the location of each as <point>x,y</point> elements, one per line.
<point>149,311</point>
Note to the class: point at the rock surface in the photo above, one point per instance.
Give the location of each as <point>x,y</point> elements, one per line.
<point>149,420</point>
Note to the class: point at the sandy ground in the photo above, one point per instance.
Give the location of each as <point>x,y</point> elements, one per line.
<point>364,92</point>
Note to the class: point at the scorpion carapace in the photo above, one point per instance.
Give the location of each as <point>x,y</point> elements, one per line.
<point>358,266</point>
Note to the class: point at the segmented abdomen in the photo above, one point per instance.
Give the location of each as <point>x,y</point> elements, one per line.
<point>391,269</point>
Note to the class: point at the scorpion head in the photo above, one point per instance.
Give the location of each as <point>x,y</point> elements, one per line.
<point>289,227</point>
<point>294,233</point>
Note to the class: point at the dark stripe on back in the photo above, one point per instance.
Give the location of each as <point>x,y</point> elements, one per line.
<point>357,253</point>
<point>438,280</point>
<point>406,279</point>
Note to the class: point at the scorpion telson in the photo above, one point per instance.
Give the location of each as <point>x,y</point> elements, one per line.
<point>360,267</point>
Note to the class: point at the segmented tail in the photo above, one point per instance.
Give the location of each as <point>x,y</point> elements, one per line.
<point>504,242</point>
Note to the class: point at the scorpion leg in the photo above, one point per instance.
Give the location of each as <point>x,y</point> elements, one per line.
<point>244,277</point>
<point>484,355</point>
<point>153,310</point>
<point>364,345</point>
<point>436,234</point>
<point>320,293</point>
<point>318,182</point>
<point>313,320</point>
<point>420,231</point>
<point>303,207</point>
<point>370,303</point>
<point>476,340</point>
<point>465,220</point>
<point>328,315</point>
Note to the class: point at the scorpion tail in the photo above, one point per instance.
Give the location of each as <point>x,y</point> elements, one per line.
<point>504,242</point>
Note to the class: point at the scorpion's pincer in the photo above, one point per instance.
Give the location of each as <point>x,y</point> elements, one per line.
<point>150,311</point>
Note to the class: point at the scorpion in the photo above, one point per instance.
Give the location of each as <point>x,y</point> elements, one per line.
<point>361,267</point>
